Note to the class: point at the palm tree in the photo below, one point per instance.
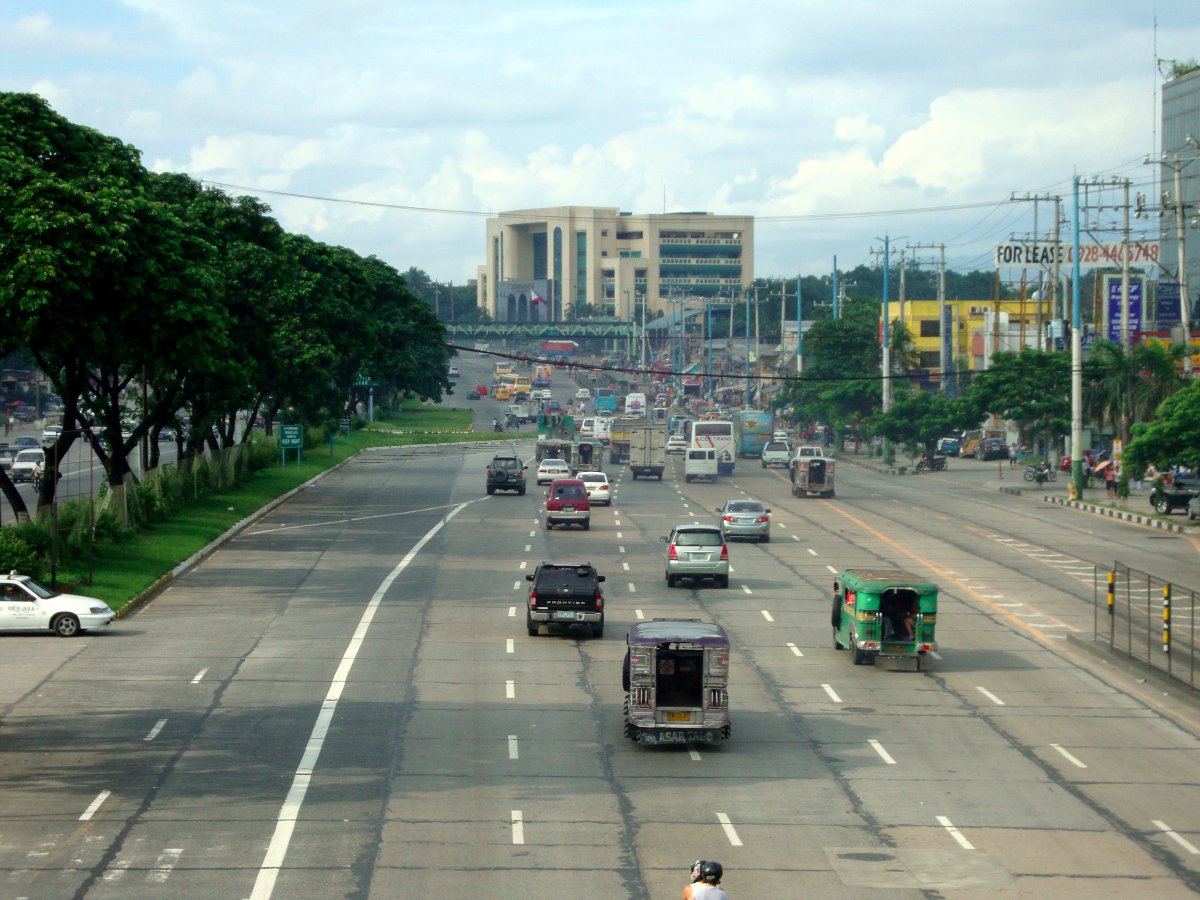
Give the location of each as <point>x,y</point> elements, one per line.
<point>1122,387</point>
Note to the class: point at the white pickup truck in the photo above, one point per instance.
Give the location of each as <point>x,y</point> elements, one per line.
<point>776,453</point>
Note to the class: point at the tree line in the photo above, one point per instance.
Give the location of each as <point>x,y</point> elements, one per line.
<point>149,300</point>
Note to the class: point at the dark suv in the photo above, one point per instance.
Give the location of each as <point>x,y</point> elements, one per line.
<point>992,448</point>
<point>565,594</point>
<point>506,473</point>
<point>1176,495</point>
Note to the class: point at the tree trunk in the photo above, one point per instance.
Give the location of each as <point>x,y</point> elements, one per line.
<point>14,498</point>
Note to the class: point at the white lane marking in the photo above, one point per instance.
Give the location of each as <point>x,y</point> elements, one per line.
<point>524,564</point>
<point>528,547</point>
<point>1070,758</point>
<point>832,569</point>
<point>620,537</point>
<point>510,690</point>
<point>632,588</point>
<point>1182,842</point>
<point>508,646</point>
<point>512,612</point>
<point>617,522</point>
<point>883,754</point>
<point>766,615</point>
<point>1010,605</point>
<point>516,585</point>
<point>935,654</point>
<point>638,613</point>
<point>955,833</point>
<point>990,696</point>
<point>532,533</point>
<point>518,827</point>
<point>407,512</point>
<point>199,676</point>
<point>794,649</point>
<point>620,549</point>
<point>119,868</point>
<point>158,726</point>
<point>166,861</point>
<point>95,805</point>
<point>512,747</point>
<point>625,566</point>
<point>289,813</point>
<point>746,589</point>
<point>734,840</point>
<point>795,537</point>
<point>832,693</point>
<point>694,754</point>
<point>811,551</point>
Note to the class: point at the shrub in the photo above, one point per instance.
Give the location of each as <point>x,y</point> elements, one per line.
<point>17,552</point>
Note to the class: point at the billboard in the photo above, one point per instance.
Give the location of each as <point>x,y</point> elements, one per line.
<point>1112,290</point>
<point>1044,254</point>
<point>526,300</point>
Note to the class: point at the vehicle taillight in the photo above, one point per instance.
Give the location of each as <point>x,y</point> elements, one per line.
<point>728,518</point>
<point>762,519</point>
<point>671,554</point>
<point>724,553</point>
<point>599,600</point>
<point>533,599</point>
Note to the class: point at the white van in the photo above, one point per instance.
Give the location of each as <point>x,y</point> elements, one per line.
<point>602,430</point>
<point>587,428</point>
<point>699,463</point>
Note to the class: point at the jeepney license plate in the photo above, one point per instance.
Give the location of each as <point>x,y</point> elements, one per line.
<point>679,717</point>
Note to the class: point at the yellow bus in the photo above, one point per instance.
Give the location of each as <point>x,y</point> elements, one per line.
<point>515,382</point>
<point>501,369</point>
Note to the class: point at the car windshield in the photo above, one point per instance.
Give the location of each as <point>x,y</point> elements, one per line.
<point>743,506</point>
<point>594,477</point>
<point>568,492</point>
<point>505,464</point>
<point>699,538</point>
<point>777,445</point>
<point>564,578</point>
<point>38,590</point>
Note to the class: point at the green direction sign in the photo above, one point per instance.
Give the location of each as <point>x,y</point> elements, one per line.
<point>291,437</point>
<point>364,381</point>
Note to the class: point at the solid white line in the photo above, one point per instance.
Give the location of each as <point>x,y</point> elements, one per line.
<point>990,696</point>
<point>1069,757</point>
<point>91,810</point>
<point>158,726</point>
<point>694,754</point>
<point>955,833</point>
<point>1186,845</point>
<point>407,512</point>
<point>518,827</point>
<point>285,824</point>
<point>832,693</point>
<point>510,690</point>
<point>767,615</point>
<point>734,840</point>
<point>166,861</point>
<point>199,675</point>
<point>512,747</point>
<point>883,754</point>
<point>811,551</point>
<point>509,648</point>
<point>794,649</point>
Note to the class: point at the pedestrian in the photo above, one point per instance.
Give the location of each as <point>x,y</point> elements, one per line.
<point>1110,480</point>
<point>1012,456</point>
<point>706,874</point>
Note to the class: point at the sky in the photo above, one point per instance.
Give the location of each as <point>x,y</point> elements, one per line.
<point>834,124</point>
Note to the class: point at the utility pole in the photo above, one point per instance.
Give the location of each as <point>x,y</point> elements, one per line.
<point>1076,357</point>
<point>800,325</point>
<point>1126,343</point>
<point>836,298</point>
<point>1185,299</point>
<point>903,250</point>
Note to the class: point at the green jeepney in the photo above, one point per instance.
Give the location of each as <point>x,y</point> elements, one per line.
<point>884,614</point>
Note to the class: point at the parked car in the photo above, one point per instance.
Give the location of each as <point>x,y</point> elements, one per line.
<point>506,473</point>
<point>745,518</point>
<point>26,605</point>
<point>565,594</point>
<point>567,504</point>
<point>696,551</point>
<point>992,448</point>
<point>1168,497</point>
<point>549,469</point>
<point>598,488</point>
<point>949,446</point>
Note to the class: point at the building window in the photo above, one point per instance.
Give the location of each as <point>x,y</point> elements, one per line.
<point>629,235</point>
<point>555,301</point>
<point>930,359</point>
<point>580,268</point>
<point>930,328</point>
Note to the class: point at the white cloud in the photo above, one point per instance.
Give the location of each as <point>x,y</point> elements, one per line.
<point>858,129</point>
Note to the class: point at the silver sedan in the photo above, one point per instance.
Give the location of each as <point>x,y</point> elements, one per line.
<point>745,518</point>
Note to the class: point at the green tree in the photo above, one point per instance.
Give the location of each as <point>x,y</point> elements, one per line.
<point>1170,439</point>
<point>918,418</point>
<point>1123,387</point>
<point>1030,388</point>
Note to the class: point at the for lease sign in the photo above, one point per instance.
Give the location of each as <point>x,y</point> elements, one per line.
<point>1044,254</point>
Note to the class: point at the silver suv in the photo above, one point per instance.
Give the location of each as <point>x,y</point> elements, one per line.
<point>696,551</point>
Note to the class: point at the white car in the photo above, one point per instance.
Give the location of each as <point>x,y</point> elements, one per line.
<point>583,394</point>
<point>26,605</point>
<point>26,463</point>
<point>551,469</point>
<point>50,434</point>
<point>597,487</point>
<point>676,444</point>
<point>546,395</point>
<point>454,373</point>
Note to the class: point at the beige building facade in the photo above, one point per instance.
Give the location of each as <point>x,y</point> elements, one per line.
<point>555,263</point>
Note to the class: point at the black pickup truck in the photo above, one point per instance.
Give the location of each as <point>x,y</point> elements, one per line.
<point>565,594</point>
<point>506,473</point>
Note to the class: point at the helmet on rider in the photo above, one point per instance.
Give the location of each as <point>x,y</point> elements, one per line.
<point>711,872</point>
<point>696,867</point>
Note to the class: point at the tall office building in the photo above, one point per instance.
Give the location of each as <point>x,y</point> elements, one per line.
<point>560,263</point>
<point>1181,148</point>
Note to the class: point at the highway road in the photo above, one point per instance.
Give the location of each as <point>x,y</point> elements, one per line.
<point>343,701</point>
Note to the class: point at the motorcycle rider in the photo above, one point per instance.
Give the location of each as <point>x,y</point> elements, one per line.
<point>706,875</point>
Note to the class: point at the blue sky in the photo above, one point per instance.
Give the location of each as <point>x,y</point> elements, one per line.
<point>811,116</point>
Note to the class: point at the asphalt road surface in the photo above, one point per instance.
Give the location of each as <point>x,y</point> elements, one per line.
<point>343,701</point>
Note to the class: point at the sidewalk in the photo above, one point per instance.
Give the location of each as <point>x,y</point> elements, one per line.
<point>1010,480</point>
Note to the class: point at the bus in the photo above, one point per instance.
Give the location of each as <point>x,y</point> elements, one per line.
<point>516,383</point>
<point>635,404</point>
<point>501,369</point>
<point>752,428</point>
<point>605,402</point>
<point>713,434</point>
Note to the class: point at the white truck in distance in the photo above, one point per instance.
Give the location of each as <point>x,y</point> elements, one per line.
<point>647,451</point>
<point>776,453</point>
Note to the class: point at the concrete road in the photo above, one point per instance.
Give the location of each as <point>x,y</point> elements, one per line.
<point>343,701</point>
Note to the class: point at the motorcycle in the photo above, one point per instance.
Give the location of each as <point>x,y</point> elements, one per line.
<point>499,426</point>
<point>1040,474</point>
<point>936,464</point>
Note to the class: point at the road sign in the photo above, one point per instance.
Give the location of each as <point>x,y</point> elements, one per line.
<point>365,381</point>
<point>291,437</point>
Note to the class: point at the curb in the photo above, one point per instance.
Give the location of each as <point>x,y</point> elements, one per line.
<point>1108,511</point>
